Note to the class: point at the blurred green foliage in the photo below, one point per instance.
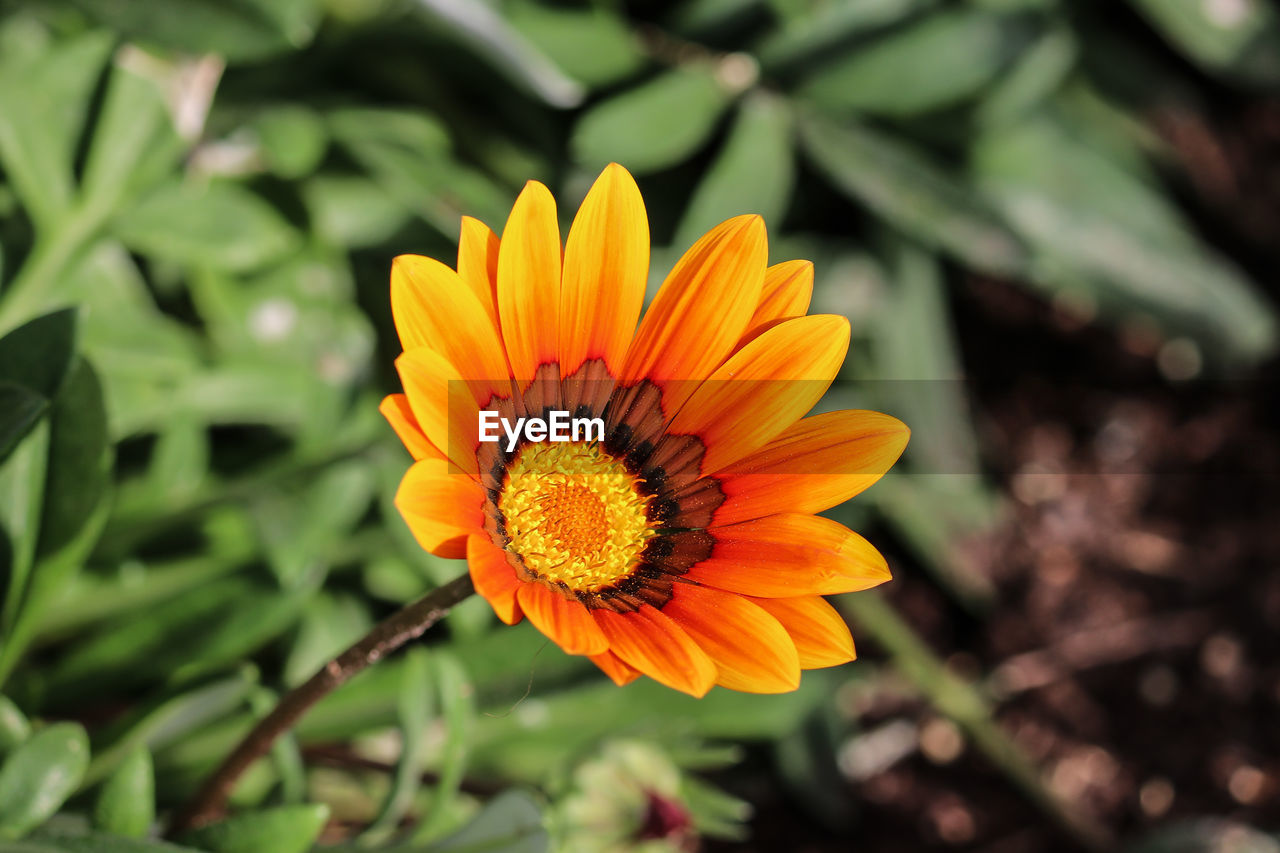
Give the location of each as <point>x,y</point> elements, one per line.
<point>198,206</point>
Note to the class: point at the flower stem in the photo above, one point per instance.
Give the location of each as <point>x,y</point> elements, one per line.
<point>388,635</point>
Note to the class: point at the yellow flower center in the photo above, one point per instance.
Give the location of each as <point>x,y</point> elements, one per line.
<point>573,515</point>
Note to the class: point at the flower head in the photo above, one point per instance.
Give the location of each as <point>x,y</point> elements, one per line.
<point>678,540</point>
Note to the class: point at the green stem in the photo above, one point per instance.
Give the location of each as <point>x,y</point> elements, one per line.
<point>965,706</point>
<point>388,635</point>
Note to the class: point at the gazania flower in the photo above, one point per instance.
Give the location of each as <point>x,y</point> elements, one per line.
<point>682,543</point>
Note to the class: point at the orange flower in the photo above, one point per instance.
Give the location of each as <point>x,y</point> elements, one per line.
<point>684,544</point>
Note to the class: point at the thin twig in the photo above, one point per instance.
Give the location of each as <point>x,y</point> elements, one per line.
<point>385,637</point>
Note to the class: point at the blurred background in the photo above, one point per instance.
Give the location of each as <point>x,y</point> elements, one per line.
<point>1053,225</point>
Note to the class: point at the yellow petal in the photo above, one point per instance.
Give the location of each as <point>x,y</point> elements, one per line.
<point>764,388</point>
<point>606,265</point>
<point>529,283</point>
<point>813,465</point>
<point>478,263</point>
<point>701,310</point>
<point>441,509</point>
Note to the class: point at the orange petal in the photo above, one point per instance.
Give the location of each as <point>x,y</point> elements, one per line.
<point>395,408</point>
<point>658,647</point>
<point>613,666</point>
<point>788,555</point>
<point>529,283</point>
<point>701,310</point>
<point>813,465</point>
<point>764,388</point>
<point>478,263</point>
<point>434,308</point>
<point>493,577</point>
<point>750,647</point>
<point>442,405</point>
<point>441,509</point>
<point>606,265</point>
<point>566,622</point>
<point>820,633</point>
<point>788,288</point>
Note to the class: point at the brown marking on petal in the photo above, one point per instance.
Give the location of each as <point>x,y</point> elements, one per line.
<point>675,462</point>
<point>491,457</point>
<point>676,553</point>
<point>542,394</point>
<point>633,417</point>
<point>586,393</point>
<point>694,504</point>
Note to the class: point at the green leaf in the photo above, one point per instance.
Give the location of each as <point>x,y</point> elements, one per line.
<point>20,408</point>
<point>409,129</point>
<point>162,721</point>
<point>702,19</point>
<point>480,27</point>
<point>912,194</point>
<point>524,747</point>
<point>944,59</point>
<point>130,650</point>
<point>43,106</point>
<point>415,714</point>
<point>220,225</point>
<point>456,699</point>
<point>21,497</point>
<point>126,803</point>
<point>242,631</point>
<point>717,814</point>
<point>300,530</point>
<point>753,173</point>
<point>239,30</point>
<point>92,600</point>
<point>80,459</point>
<point>1040,71</point>
<point>179,463</point>
<point>828,25</point>
<point>39,776</point>
<point>141,354</point>
<point>76,478</point>
<point>134,142</point>
<point>73,509</point>
<point>293,140</point>
<point>353,212</point>
<point>914,346</point>
<point>914,343</point>
<point>288,829</point>
<point>93,842</point>
<point>592,44</point>
<point>1237,40</point>
<point>1097,226</point>
<point>14,727</point>
<point>509,823</point>
<point>37,354</point>
<point>408,153</point>
<point>654,125</point>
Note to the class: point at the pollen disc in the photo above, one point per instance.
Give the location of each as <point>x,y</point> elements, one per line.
<point>574,515</point>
